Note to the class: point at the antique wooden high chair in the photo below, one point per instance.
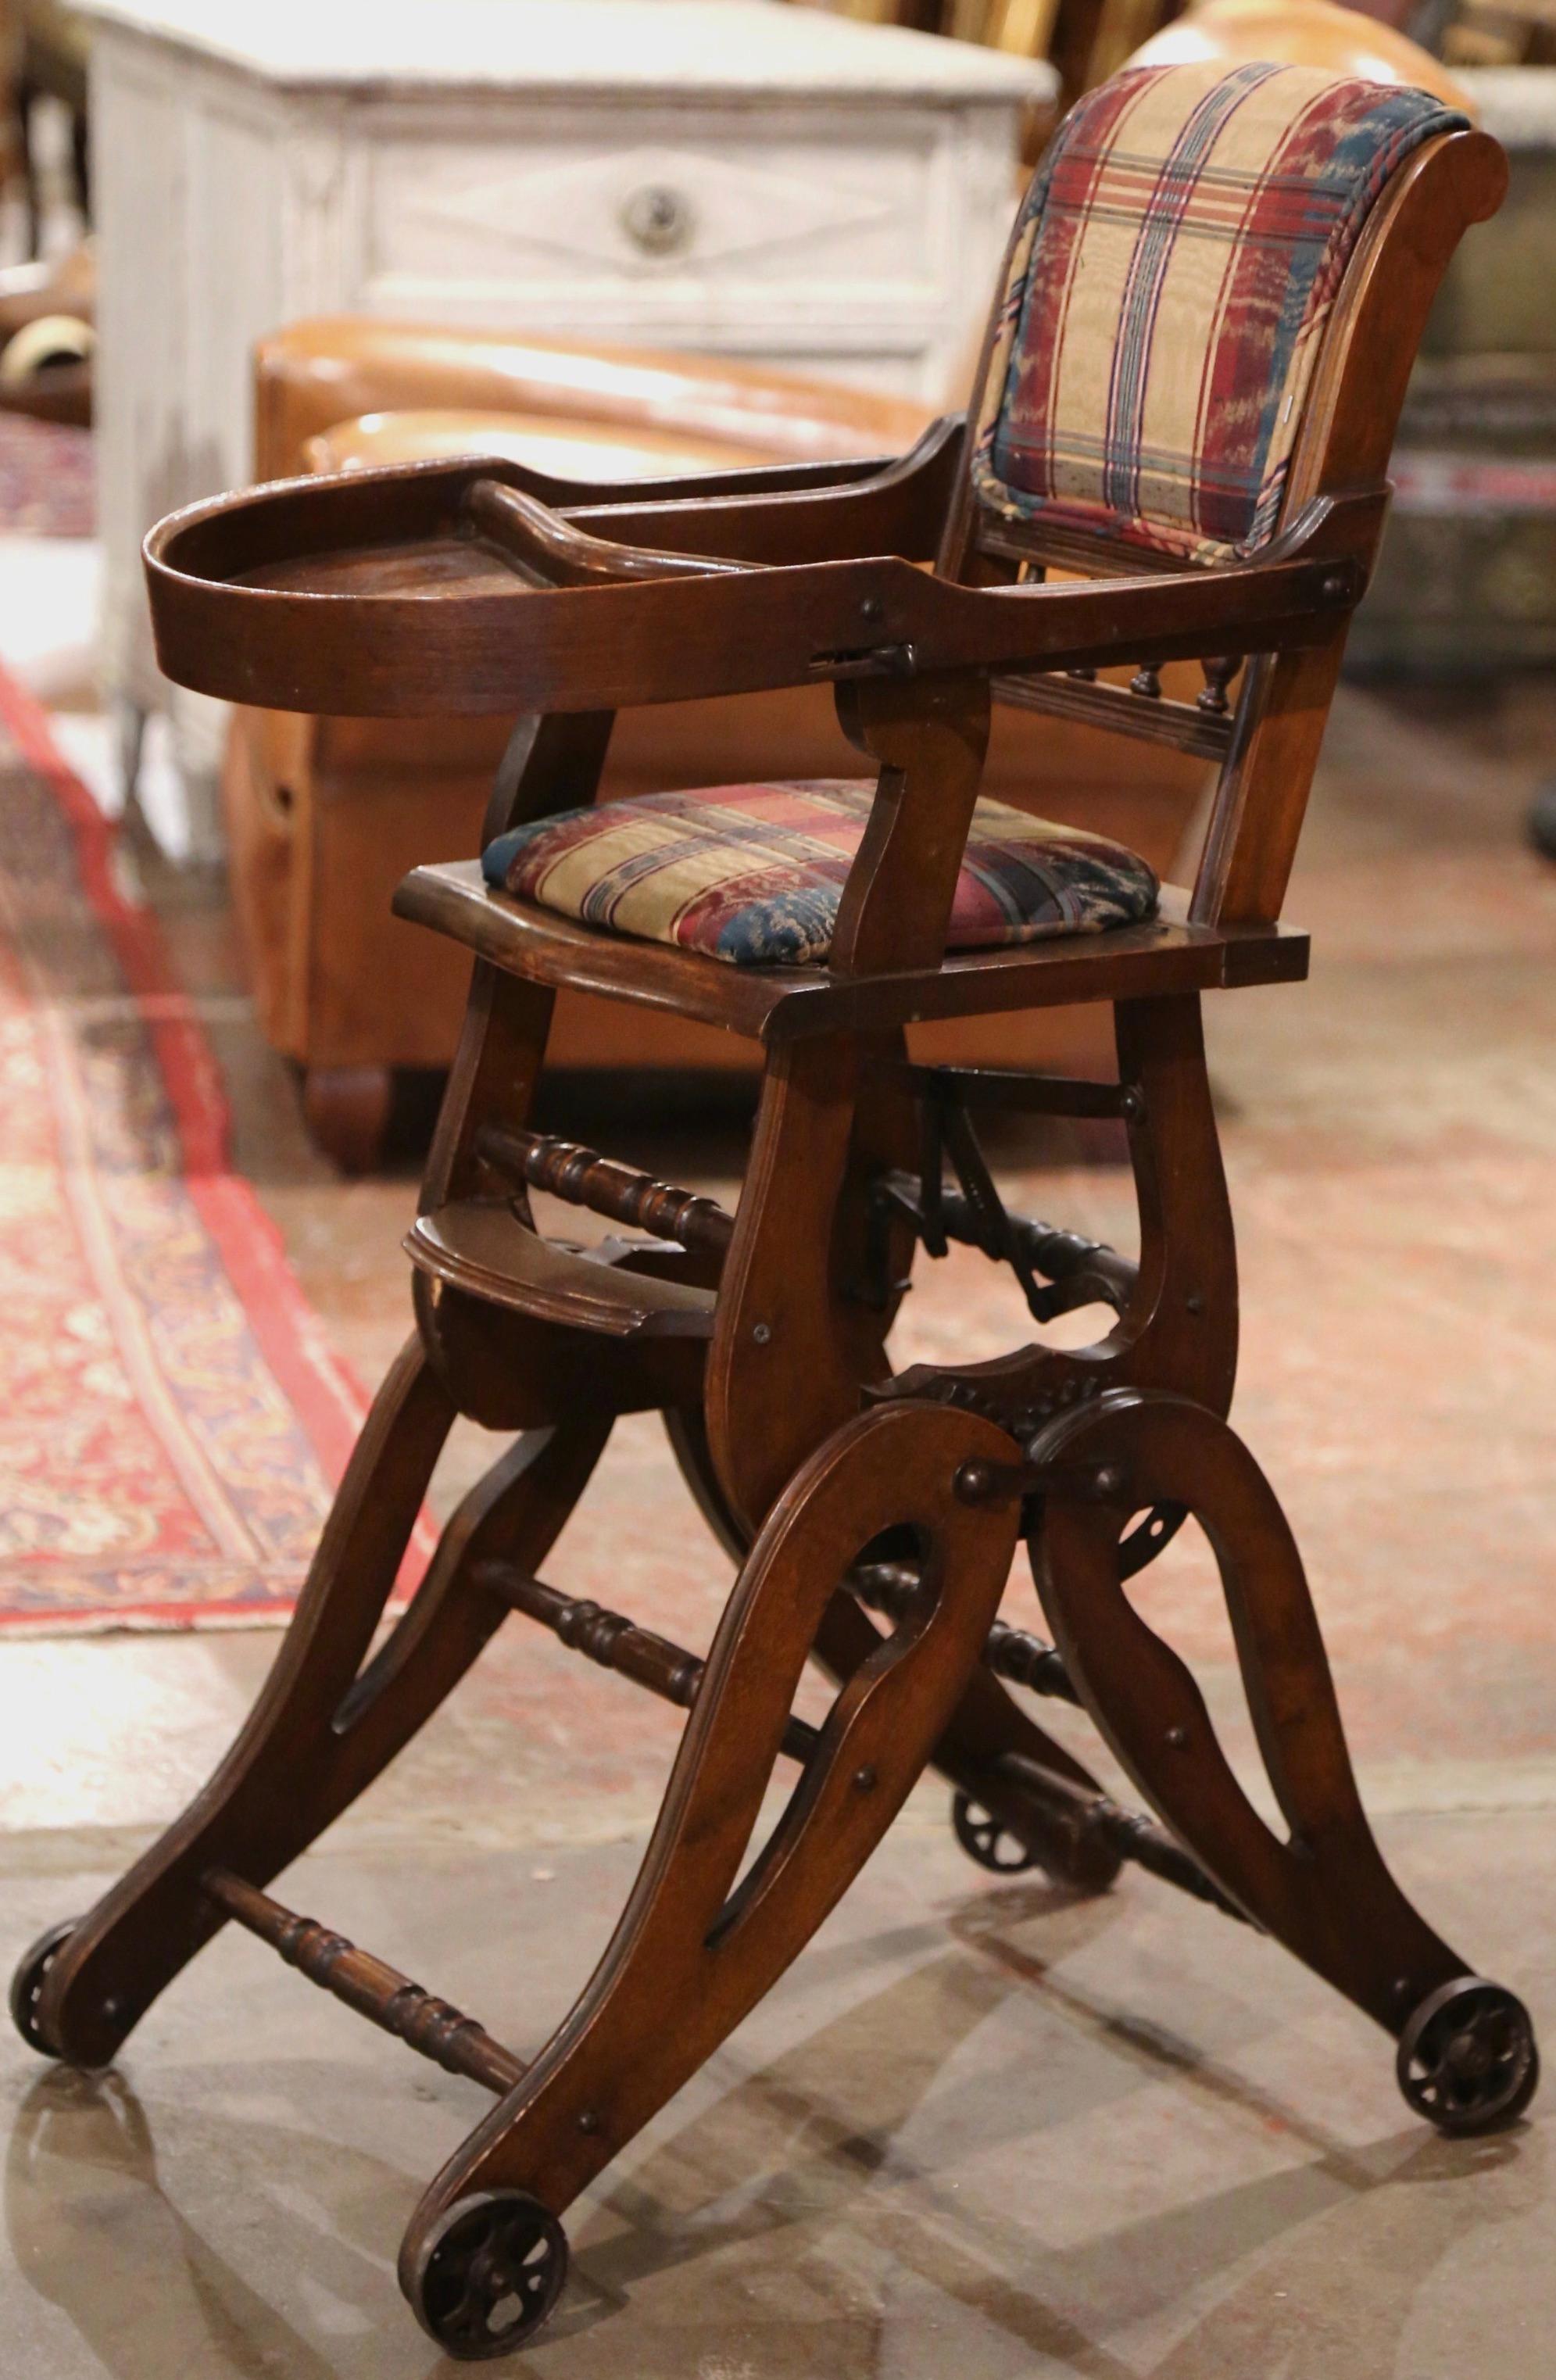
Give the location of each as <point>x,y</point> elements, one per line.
<point>1185,408</point>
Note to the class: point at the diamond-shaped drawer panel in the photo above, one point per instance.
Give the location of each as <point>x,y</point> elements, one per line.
<point>802,224</point>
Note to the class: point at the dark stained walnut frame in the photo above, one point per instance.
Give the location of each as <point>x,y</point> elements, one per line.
<point>840,1489</point>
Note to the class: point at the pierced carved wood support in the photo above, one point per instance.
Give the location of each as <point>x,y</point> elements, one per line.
<point>1306,1888</point>
<point>987,1725</point>
<point>702,1935</point>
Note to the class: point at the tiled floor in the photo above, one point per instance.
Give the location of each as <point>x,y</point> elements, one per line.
<point>977,2131</point>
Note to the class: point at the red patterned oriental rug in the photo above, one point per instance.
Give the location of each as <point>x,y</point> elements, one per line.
<point>171,1419</point>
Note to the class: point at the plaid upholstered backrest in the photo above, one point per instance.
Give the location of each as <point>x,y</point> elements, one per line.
<point>1173,267</point>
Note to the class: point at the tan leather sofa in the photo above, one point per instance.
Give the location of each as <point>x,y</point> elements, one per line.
<point>325,814</point>
<point>1303,33</point>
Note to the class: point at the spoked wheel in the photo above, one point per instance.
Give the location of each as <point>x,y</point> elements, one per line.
<point>26,1985</point>
<point>489,2274</point>
<point>989,1841</point>
<point>1058,1834</point>
<point>1467,2060</point>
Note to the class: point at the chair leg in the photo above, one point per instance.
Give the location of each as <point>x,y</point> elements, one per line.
<point>347,1110</point>
<point>1466,2057</point>
<point>986,1730</point>
<point>323,1726</point>
<point>695,1950</point>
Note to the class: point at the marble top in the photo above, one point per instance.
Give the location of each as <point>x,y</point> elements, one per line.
<point>750,48</point>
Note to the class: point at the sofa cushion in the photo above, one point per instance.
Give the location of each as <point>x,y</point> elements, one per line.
<point>1171,275</point>
<point>752,874</point>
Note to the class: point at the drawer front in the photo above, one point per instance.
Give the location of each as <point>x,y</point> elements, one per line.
<point>692,222</point>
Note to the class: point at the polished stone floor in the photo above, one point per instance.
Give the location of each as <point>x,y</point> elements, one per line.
<point>979,2129</point>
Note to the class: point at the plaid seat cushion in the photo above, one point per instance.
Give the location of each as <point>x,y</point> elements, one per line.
<point>752,873</point>
<point>1173,269</point>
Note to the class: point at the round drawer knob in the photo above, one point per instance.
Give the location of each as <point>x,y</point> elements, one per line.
<point>658,219</point>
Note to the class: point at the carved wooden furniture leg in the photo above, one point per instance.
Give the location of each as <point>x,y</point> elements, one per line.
<point>1003,1818</point>
<point>1466,2057</point>
<point>347,1110</point>
<point>692,1939</point>
<point>324,1726</point>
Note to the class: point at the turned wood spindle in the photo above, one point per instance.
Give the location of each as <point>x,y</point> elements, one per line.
<point>584,1178</point>
<point>617,1642</point>
<point>1219,674</point>
<point>892,1589</point>
<point>1147,682</point>
<point>432,2027</point>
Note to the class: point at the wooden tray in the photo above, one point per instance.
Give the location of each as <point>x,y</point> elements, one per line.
<point>377,593</point>
<point>384,593</point>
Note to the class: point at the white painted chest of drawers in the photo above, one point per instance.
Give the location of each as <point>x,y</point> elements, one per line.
<point>736,175</point>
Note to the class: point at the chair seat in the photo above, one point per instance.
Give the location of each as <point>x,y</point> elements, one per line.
<point>752,874</point>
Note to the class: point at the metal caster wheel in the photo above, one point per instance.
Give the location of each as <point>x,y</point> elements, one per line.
<point>26,1985</point>
<point>1058,1834</point>
<point>987,1840</point>
<point>1467,2060</point>
<point>489,2274</point>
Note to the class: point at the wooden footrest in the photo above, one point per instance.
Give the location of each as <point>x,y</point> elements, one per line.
<point>429,2026</point>
<point>479,1246</point>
